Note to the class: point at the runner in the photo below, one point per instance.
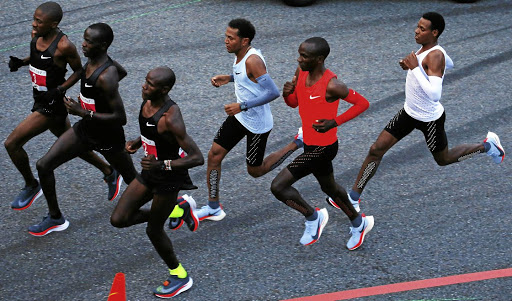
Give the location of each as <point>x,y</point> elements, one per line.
<point>50,52</point>
<point>100,129</point>
<point>422,110</point>
<point>164,173</point>
<point>316,90</point>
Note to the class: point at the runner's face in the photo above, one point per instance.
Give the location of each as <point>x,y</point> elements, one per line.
<point>150,88</point>
<point>91,44</point>
<point>423,33</point>
<point>42,24</point>
<point>307,60</point>
<point>233,42</point>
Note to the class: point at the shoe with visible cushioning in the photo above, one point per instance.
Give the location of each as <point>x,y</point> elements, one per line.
<point>496,151</point>
<point>114,181</point>
<point>299,138</point>
<point>314,228</point>
<point>173,286</point>
<point>26,197</point>
<point>354,203</point>
<point>48,225</point>
<point>207,212</point>
<point>188,204</point>
<point>358,233</point>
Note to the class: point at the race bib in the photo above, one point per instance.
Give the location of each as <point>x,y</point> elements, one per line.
<point>149,147</point>
<point>87,103</point>
<point>38,78</point>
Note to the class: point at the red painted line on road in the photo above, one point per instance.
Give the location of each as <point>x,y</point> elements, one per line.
<point>407,286</point>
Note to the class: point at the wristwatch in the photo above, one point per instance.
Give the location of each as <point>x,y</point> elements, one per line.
<point>243,106</point>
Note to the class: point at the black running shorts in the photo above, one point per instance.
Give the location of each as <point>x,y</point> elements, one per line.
<point>232,131</point>
<point>316,160</point>
<point>402,125</point>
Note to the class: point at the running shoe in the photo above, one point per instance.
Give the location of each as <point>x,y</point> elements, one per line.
<point>496,151</point>
<point>354,203</point>
<point>358,233</point>
<point>26,197</point>
<point>188,204</point>
<point>314,228</point>
<point>113,181</point>
<point>207,212</point>
<point>173,286</point>
<point>299,139</point>
<point>47,225</point>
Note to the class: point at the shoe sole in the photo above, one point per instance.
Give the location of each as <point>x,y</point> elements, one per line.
<point>38,194</point>
<point>322,226</point>
<point>497,145</point>
<point>51,229</point>
<point>190,200</point>
<point>371,222</point>
<point>333,204</point>
<point>187,286</point>
<point>215,218</point>
<point>118,187</point>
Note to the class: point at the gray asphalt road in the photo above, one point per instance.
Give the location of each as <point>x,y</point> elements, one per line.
<point>431,221</point>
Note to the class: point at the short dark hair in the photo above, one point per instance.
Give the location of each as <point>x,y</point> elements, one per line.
<point>106,33</point>
<point>321,46</point>
<point>51,9</point>
<point>245,28</point>
<point>436,20</point>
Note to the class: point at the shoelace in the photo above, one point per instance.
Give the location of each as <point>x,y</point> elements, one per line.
<point>310,226</point>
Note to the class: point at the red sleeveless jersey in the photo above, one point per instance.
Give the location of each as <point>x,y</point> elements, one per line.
<point>313,106</point>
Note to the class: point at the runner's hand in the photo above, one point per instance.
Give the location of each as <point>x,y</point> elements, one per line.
<point>131,146</point>
<point>15,63</point>
<point>289,87</point>
<point>323,125</point>
<point>73,107</point>
<point>150,163</point>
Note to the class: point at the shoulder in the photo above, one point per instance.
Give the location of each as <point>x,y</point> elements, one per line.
<point>109,77</point>
<point>173,119</point>
<point>336,88</point>
<point>255,59</point>
<point>65,46</point>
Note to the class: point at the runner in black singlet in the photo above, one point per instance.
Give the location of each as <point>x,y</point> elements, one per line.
<point>163,174</point>
<point>50,52</point>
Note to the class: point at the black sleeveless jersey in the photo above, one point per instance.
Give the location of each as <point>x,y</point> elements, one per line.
<point>44,73</point>
<point>152,142</point>
<point>93,99</point>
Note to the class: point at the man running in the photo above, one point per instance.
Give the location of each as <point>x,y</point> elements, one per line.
<point>422,110</point>
<point>316,90</point>
<point>50,52</point>
<point>100,129</point>
<point>249,117</point>
<point>164,173</point>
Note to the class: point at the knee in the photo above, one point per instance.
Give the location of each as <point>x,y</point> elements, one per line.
<point>214,157</point>
<point>442,161</point>
<point>117,220</point>
<point>11,145</point>
<point>153,232</point>
<point>276,187</point>
<point>254,171</point>
<point>376,151</point>
<point>42,167</point>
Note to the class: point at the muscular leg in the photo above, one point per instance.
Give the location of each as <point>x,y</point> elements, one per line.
<point>384,142</point>
<point>272,161</point>
<point>338,194</point>
<point>128,210</point>
<point>458,153</point>
<point>122,162</point>
<point>215,156</point>
<point>67,147</point>
<point>282,189</point>
<point>160,209</point>
<point>35,124</point>
<point>59,128</point>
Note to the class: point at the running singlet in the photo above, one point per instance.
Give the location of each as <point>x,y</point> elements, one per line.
<point>44,73</point>
<point>257,120</point>
<point>313,106</point>
<point>417,103</point>
<point>92,98</point>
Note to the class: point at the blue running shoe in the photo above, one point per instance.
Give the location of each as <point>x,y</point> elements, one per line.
<point>173,286</point>
<point>496,151</point>
<point>47,225</point>
<point>354,203</point>
<point>113,181</point>
<point>26,197</point>
<point>207,212</point>
<point>314,228</point>
<point>358,234</point>
<point>188,204</point>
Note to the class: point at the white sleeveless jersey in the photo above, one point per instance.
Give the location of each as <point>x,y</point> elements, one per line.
<point>257,120</point>
<point>417,103</point>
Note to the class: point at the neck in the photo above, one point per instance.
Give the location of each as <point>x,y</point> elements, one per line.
<point>427,46</point>
<point>159,102</point>
<point>100,59</point>
<point>50,34</point>
<point>242,52</point>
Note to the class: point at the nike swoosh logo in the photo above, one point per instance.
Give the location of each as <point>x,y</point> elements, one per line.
<point>45,57</point>
<point>88,86</point>
<point>364,225</point>
<point>149,124</point>
<point>238,73</point>
<point>313,97</point>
